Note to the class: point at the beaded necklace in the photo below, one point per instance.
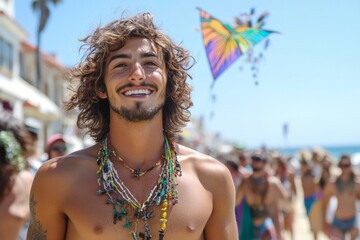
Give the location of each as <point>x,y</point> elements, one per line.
<point>137,172</point>
<point>164,192</point>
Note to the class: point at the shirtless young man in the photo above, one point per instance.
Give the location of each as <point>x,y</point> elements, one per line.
<point>135,182</point>
<point>262,192</point>
<point>346,188</point>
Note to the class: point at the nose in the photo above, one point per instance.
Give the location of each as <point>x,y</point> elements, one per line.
<point>137,73</point>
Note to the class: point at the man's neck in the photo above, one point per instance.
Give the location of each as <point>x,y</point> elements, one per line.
<point>140,144</point>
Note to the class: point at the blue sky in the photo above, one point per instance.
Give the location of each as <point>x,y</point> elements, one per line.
<point>309,77</point>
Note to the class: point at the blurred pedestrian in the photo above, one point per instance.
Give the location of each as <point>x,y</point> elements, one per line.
<point>244,160</point>
<point>15,179</point>
<point>311,196</point>
<point>286,176</point>
<point>259,195</point>
<point>346,188</point>
<point>55,146</point>
<point>237,172</point>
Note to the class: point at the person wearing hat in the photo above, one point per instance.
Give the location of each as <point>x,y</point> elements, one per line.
<point>55,146</point>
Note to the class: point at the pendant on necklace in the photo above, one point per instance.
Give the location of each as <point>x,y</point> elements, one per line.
<point>143,214</point>
<point>137,173</point>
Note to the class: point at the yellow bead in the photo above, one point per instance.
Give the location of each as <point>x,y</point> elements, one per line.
<point>163,214</point>
<point>164,204</point>
<point>163,226</point>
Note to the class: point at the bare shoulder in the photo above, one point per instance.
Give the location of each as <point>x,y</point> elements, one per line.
<point>63,172</point>
<point>204,165</point>
<point>212,174</point>
<point>69,164</point>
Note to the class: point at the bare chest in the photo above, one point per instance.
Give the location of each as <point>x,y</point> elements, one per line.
<point>92,217</point>
<point>263,195</point>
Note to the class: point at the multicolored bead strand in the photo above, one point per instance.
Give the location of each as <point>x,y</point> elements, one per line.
<point>118,194</point>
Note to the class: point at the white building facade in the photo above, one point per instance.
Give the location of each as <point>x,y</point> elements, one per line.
<point>18,93</point>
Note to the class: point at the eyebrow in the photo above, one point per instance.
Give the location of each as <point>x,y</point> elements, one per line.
<point>127,56</point>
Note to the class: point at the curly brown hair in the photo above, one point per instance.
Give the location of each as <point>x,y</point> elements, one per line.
<point>93,111</point>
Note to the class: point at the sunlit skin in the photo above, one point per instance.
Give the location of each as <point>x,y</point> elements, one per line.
<point>135,84</point>
<point>346,208</point>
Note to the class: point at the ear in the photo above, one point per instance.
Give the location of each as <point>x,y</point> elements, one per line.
<point>101,92</point>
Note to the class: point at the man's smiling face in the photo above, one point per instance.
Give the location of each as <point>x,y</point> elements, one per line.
<point>135,80</point>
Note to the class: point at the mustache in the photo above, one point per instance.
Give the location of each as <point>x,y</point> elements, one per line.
<point>129,85</point>
<point>257,169</point>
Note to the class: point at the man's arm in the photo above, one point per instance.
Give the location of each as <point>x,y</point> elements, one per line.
<point>222,222</point>
<point>47,220</point>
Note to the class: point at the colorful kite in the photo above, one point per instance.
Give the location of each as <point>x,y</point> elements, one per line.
<point>225,43</point>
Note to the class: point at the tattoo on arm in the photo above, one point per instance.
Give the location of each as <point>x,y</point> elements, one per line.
<point>35,231</point>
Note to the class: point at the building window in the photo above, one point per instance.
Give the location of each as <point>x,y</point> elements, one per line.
<point>6,57</point>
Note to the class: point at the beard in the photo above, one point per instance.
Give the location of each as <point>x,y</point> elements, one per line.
<point>138,114</point>
<point>257,169</point>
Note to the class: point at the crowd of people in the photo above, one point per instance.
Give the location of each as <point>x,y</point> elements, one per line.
<point>266,193</point>
<point>133,99</point>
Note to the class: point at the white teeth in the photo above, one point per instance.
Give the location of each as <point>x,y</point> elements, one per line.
<point>137,92</point>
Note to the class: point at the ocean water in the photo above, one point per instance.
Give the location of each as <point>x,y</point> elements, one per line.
<point>334,151</point>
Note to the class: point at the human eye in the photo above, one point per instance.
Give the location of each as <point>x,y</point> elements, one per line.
<point>151,63</point>
<point>120,65</point>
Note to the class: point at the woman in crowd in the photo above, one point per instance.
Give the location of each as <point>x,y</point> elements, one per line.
<point>15,179</point>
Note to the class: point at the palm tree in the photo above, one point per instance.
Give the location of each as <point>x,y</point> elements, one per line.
<point>42,7</point>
